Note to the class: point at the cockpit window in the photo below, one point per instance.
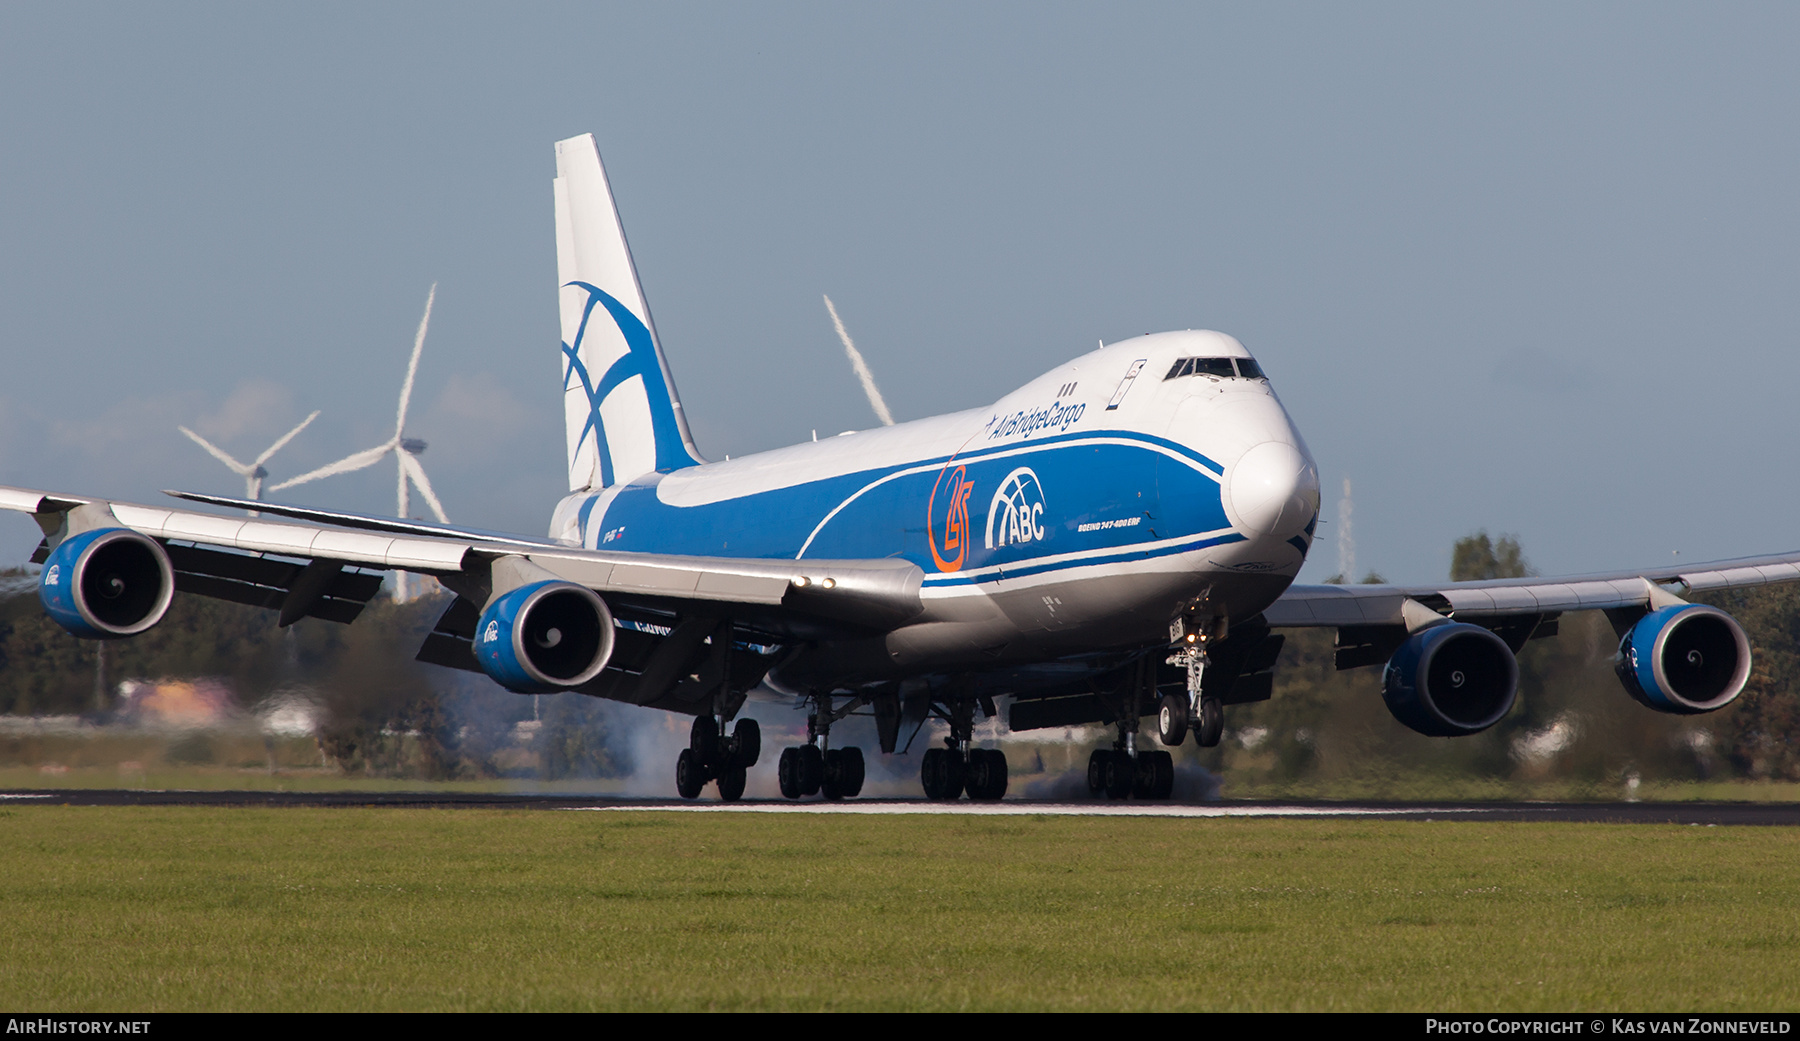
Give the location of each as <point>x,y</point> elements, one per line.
<point>1216,367</point>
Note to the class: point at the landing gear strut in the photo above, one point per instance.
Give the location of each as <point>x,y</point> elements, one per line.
<point>816,768</point>
<point>1177,714</point>
<point>710,756</point>
<point>946,773</point>
<point>1127,770</point>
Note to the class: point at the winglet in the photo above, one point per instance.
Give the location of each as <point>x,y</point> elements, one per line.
<point>623,417</point>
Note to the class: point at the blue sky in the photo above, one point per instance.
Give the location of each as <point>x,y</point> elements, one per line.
<point>1523,267</point>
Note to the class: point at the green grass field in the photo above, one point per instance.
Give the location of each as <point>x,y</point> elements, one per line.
<point>180,909</point>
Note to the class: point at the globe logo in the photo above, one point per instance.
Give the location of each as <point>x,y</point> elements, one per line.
<point>1016,515</point>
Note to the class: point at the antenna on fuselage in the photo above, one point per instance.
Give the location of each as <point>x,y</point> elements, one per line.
<point>863,374</point>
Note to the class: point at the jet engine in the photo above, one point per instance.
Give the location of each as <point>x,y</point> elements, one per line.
<point>1684,659</point>
<point>1450,680</point>
<point>107,583</point>
<point>543,637</point>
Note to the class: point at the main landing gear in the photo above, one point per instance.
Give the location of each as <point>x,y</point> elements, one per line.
<point>1127,770</point>
<point>949,771</point>
<point>712,756</point>
<point>815,768</point>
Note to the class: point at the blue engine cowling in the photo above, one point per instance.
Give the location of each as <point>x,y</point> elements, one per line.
<point>1684,659</point>
<point>544,637</point>
<point>1450,680</point>
<point>107,583</point>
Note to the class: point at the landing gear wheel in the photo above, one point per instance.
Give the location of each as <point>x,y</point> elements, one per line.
<point>1153,776</point>
<point>1096,776</point>
<point>731,783</point>
<point>812,769</point>
<point>1172,720</point>
<point>1165,776</point>
<point>703,740</point>
<point>987,774</point>
<point>746,743</point>
<point>690,777</point>
<point>831,783</point>
<point>956,774</point>
<point>1143,777</point>
<point>942,774</point>
<point>931,773</point>
<point>1211,725</point>
<point>850,772</point>
<point>788,772</point>
<point>1121,774</point>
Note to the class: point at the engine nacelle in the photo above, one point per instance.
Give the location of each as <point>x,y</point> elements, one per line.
<point>1684,659</point>
<point>544,637</point>
<point>1450,680</point>
<point>107,583</point>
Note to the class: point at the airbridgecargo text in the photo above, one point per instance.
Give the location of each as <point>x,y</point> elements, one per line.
<point>1027,422</point>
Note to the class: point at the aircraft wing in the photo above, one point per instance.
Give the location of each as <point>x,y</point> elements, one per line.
<point>1355,605</point>
<point>260,561</point>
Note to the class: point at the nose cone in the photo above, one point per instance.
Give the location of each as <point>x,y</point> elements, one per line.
<point>1274,490</point>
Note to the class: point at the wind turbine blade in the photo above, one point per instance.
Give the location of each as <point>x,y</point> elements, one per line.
<point>217,453</point>
<point>862,369</point>
<point>403,504</point>
<point>285,438</point>
<point>412,367</point>
<point>345,465</point>
<point>411,468</point>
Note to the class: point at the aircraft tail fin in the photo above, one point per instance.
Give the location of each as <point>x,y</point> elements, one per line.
<point>622,414</point>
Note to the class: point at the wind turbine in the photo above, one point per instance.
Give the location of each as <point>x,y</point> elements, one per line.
<point>405,449</point>
<point>252,472</point>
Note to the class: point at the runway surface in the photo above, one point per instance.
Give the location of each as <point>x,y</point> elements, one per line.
<point>1695,813</point>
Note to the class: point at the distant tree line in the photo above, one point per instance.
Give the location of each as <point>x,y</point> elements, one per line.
<point>387,714</point>
<point>383,713</point>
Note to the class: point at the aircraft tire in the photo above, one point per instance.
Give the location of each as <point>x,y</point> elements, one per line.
<point>1096,776</point>
<point>690,777</point>
<point>1165,776</point>
<point>746,743</point>
<point>1143,776</point>
<point>1212,723</point>
<point>987,774</point>
<point>850,780</point>
<point>787,772</point>
<point>942,774</point>
<point>703,739</point>
<point>831,783</point>
<point>1172,720</point>
<point>812,769</point>
<point>731,783</point>
<point>929,773</point>
<point>956,775</point>
<point>1121,775</point>
<point>977,780</point>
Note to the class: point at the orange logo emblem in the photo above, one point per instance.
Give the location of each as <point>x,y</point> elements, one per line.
<point>950,539</point>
